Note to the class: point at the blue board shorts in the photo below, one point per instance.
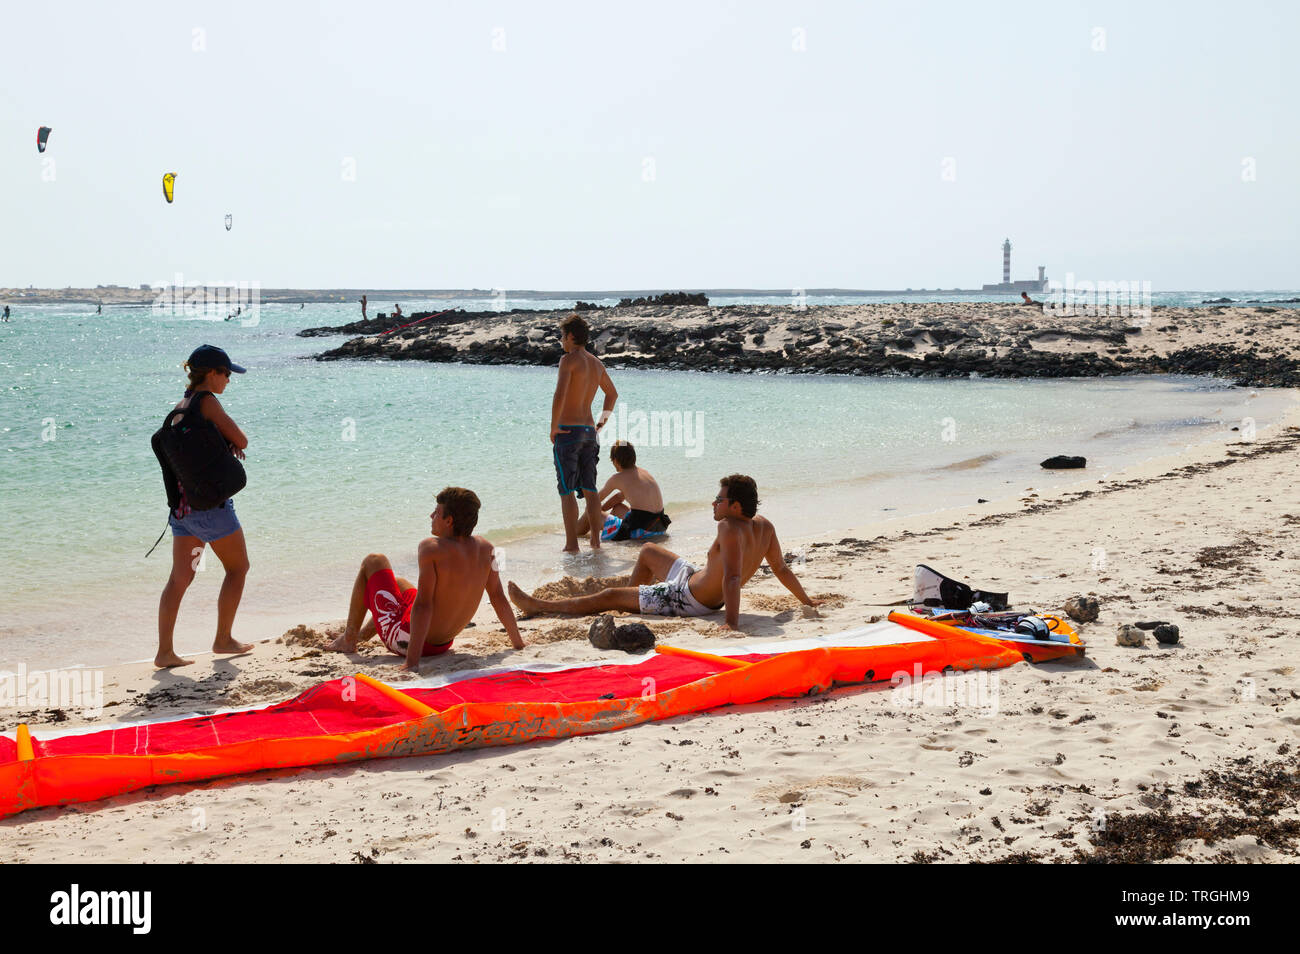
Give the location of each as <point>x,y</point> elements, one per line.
<point>575,450</point>
<point>207,525</point>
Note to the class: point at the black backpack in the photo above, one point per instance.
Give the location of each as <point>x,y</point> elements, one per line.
<point>194,456</point>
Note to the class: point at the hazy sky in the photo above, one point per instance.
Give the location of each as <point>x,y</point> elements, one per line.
<point>666,145</point>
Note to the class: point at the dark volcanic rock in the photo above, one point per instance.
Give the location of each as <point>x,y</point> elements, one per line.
<point>1083,609</point>
<point>1246,368</point>
<point>634,638</point>
<point>668,298</point>
<point>1063,462</point>
<point>1166,633</point>
<point>601,633</point>
<point>383,322</point>
<point>744,338</point>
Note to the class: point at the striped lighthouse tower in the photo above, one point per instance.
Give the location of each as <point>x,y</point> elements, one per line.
<point>1006,262</point>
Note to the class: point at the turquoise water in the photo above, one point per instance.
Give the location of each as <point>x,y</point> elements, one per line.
<point>346,457</point>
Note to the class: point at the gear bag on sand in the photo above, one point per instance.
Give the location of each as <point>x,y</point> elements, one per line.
<point>932,588</point>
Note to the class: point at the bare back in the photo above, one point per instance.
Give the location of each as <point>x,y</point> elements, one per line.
<point>755,537</point>
<point>581,373</point>
<point>640,490</point>
<point>463,566</point>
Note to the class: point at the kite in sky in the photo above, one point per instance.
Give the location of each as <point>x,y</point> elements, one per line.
<point>169,186</point>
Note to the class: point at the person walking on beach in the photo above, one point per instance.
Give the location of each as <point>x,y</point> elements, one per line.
<point>424,618</point>
<point>574,436</point>
<point>637,504</point>
<point>209,374</point>
<point>664,584</point>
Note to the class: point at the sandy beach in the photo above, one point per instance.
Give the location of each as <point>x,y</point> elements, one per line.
<point>1158,753</point>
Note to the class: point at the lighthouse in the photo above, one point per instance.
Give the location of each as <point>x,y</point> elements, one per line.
<point>1007,285</point>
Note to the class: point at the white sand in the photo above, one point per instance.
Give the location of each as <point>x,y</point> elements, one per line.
<point>851,775</point>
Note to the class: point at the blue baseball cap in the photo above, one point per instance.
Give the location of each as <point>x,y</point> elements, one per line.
<point>210,356</point>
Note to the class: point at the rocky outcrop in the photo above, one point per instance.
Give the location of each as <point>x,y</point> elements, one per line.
<point>382,322</point>
<point>931,340</point>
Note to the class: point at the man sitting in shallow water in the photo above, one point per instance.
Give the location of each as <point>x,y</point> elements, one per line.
<point>664,584</point>
<point>423,619</point>
<point>632,498</point>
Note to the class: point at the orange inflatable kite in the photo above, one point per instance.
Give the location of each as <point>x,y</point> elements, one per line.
<point>358,717</point>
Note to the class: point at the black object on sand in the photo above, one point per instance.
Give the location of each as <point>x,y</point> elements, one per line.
<point>1062,462</point>
<point>632,638</point>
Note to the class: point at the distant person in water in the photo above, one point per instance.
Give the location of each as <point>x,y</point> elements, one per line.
<point>209,375</point>
<point>397,311</point>
<point>363,307</point>
<point>99,309</point>
<point>1029,301</point>
<point>6,312</point>
<point>664,584</point>
<point>416,620</point>
<point>575,443</point>
<point>632,498</point>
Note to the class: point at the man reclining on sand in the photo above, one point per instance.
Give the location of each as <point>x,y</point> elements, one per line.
<point>424,619</point>
<point>744,541</point>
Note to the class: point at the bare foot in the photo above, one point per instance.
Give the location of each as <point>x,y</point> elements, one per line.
<point>571,548</point>
<point>171,661</point>
<point>345,643</point>
<point>229,646</point>
<point>523,600</point>
<point>595,541</point>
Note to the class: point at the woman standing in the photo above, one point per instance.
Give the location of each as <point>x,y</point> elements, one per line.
<point>209,372</point>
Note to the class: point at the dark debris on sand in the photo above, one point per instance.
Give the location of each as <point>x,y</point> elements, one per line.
<point>1243,799</point>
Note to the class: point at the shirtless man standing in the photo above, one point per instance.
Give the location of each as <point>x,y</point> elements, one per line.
<point>744,541</point>
<point>455,569</point>
<point>574,440</point>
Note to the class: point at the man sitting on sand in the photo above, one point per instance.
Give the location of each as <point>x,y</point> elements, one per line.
<point>455,569</point>
<point>744,540</point>
<point>636,504</point>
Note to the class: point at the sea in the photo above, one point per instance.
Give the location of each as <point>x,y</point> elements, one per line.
<point>345,458</point>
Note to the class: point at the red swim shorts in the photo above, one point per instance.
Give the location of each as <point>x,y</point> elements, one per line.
<point>391,607</point>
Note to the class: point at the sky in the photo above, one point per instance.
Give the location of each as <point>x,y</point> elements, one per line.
<point>650,146</point>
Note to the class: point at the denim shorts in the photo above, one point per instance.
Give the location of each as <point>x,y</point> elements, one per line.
<point>207,525</point>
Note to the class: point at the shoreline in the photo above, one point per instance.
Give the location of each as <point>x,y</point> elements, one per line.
<point>1139,735</point>
<point>530,554</point>
<point>993,340</point>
